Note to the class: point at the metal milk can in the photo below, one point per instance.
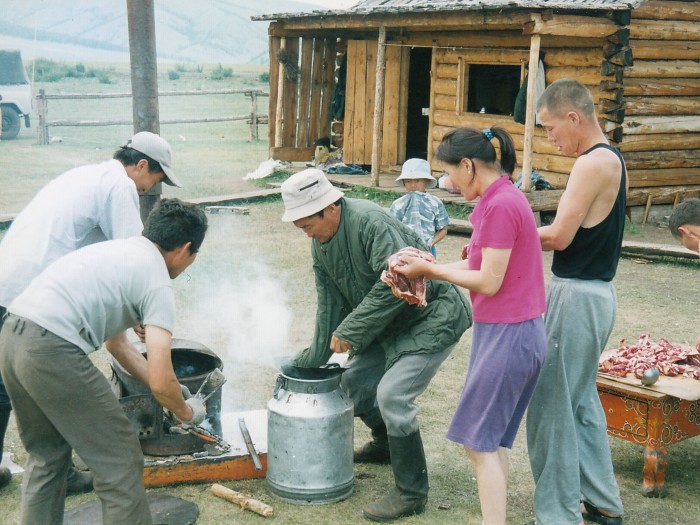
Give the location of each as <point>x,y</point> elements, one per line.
<point>310,437</point>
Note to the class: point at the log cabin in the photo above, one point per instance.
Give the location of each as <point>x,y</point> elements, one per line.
<point>386,79</point>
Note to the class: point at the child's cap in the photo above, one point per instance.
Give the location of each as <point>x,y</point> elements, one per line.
<point>417,169</point>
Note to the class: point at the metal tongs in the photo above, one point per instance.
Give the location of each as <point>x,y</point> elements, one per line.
<point>215,380</point>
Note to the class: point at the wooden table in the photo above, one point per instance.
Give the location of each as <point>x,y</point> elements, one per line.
<point>651,418</point>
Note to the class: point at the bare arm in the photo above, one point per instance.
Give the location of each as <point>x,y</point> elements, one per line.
<point>487,280</point>
<point>128,356</point>
<point>440,235</point>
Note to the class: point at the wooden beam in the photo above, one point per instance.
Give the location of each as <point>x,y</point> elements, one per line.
<point>530,113</point>
<point>663,30</point>
<point>378,105</point>
<point>677,124</point>
<point>667,10</point>
<point>291,154</point>
<point>663,69</point>
<point>670,87</point>
<point>280,98</point>
<point>669,50</point>
<point>570,25</point>
<point>662,106</point>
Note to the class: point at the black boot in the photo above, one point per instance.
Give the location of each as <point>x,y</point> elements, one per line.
<point>377,450</point>
<point>78,482</point>
<point>410,494</point>
<point>5,409</point>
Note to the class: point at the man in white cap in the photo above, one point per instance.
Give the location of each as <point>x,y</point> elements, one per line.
<point>82,206</point>
<point>394,348</point>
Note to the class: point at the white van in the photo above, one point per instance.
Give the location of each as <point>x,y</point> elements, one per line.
<point>15,94</point>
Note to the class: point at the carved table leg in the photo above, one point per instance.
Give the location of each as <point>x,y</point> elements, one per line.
<point>655,462</point>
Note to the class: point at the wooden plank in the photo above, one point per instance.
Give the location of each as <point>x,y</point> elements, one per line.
<point>687,158</point>
<point>390,133</point>
<point>316,90</point>
<point>530,112</point>
<point>447,103</point>
<point>370,95</point>
<point>664,177</point>
<point>303,138</point>
<point>661,106</point>
<point>328,82</point>
<point>447,71</point>
<point>443,86</point>
<point>291,87</point>
<point>360,104</point>
<point>583,57</point>
<point>481,55</point>
<point>351,86</point>
<point>673,141</point>
<point>235,197</point>
<point>431,121</point>
<point>589,76</point>
<point>274,93</point>
<point>661,124</point>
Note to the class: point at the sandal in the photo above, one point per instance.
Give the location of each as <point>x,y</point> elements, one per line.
<point>593,514</point>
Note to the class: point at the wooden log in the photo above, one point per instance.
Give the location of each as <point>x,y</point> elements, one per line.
<point>446,102</point>
<point>685,158</point>
<point>661,106</point>
<point>392,106</point>
<point>636,249</point>
<point>279,109</point>
<point>530,112</point>
<point>244,501</point>
<point>570,25</point>
<point>447,71</point>
<point>481,55</point>
<point>327,85</point>
<point>663,177</point>
<point>671,141</point>
<point>663,30</point>
<point>378,105</point>
<point>351,86</point>
<point>663,69</point>
<point>273,103</point>
<point>370,93</point>
<point>667,10</point>
<point>291,96</point>
<point>663,124</point>
<point>292,154</point>
<point>403,97</point>
<point>444,86</point>
<point>679,87</point>
<point>668,50</point>
<point>588,76</point>
<point>646,210</point>
<point>433,93</point>
<point>583,57</point>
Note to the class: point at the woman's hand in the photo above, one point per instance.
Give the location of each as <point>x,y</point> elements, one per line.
<point>413,267</point>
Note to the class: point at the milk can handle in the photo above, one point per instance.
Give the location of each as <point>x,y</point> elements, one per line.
<point>279,384</point>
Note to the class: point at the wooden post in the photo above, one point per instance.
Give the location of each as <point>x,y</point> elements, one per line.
<point>253,115</point>
<point>378,105</point>
<point>530,113</point>
<point>646,210</point>
<point>42,109</point>
<point>280,97</point>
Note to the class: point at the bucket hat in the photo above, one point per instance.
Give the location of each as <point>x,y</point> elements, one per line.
<point>159,150</point>
<point>417,169</point>
<point>306,193</point>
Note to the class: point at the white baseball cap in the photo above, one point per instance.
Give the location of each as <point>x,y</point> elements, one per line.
<point>159,150</point>
<point>306,193</point>
<point>417,169</point>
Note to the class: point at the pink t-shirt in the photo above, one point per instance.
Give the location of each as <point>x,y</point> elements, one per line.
<point>503,219</point>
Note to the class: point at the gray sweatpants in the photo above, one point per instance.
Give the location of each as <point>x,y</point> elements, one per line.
<point>63,402</point>
<point>566,427</point>
<point>393,391</point>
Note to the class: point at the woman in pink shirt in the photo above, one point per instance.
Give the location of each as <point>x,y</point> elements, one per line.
<point>504,275</point>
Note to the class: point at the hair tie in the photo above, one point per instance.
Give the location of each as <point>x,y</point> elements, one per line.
<point>488,134</point>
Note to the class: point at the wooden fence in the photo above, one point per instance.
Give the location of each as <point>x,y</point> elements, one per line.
<point>253,119</point>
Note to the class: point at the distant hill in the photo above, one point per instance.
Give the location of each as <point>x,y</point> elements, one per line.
<point>199,31</point>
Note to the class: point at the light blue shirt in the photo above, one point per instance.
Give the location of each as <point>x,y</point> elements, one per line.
<point>424,213</point>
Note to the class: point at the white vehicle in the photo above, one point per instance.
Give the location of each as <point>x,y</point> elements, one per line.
<point>15,94</point>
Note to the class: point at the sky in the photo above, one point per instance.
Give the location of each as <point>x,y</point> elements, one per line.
<point>334,4</point>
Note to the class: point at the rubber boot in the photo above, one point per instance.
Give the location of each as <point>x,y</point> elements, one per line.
<point>78,482</point>
<point>410,494</point>
<point>377,450</point>
<point>5,409</point>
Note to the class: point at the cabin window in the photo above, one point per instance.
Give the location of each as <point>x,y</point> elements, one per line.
<point>489,88</point>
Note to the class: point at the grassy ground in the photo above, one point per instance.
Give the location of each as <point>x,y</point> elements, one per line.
<point>250,298</point>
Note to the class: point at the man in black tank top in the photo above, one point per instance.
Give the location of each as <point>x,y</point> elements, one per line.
<point>566,426</point>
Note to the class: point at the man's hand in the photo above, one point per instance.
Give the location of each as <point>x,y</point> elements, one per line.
<point>339,346</point>
<point>140,331</point>
<point>198,411</point>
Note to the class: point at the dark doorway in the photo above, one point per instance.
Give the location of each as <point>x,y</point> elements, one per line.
<point>418,100</point>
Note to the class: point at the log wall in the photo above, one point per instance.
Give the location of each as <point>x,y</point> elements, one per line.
<point>661,141</point>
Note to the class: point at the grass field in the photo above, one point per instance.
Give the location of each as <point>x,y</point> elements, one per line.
<point>250,297</point>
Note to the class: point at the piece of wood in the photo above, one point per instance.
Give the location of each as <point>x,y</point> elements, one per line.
<point>370,94</point>
<point>530,112</point>
<point>663,30</point>
<point>646,210</point>
<point>668,87</point>
<point>291,96</point>
<point>316,89</point>
<point>637,249</point>
<point>589,76</point>
<point>650,142</point>
<point>661,124</point>
<point>403,102</point>
<point>433,94</point>
<point>361,107</point>
<point>669,50</point>
<point>483,55</point>
<point>663,69</point>
<point>351,85</point>
<point>303,138</point>
<point>279,107</point>
<point>390,111</point>
<point>330,54</point>
<point>567,57</point>
<point>684,158</point>
<point>291,154</point>
<point>661,106</point>
<point>667,10</point>
<point>570,25</point>
<point>241,499</point>
<point>378,105</point>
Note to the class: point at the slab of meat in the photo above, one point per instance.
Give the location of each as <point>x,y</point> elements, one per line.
<point>671,360</point>
<point>412,290</point>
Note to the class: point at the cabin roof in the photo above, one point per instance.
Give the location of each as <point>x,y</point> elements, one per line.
<point>372,7</point>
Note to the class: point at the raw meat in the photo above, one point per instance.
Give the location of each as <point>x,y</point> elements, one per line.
<point>411,290</point>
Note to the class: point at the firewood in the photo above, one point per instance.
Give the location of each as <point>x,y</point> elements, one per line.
<point>240,499</point>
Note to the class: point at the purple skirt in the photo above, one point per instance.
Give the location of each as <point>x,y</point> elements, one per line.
<point>503,368</point>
